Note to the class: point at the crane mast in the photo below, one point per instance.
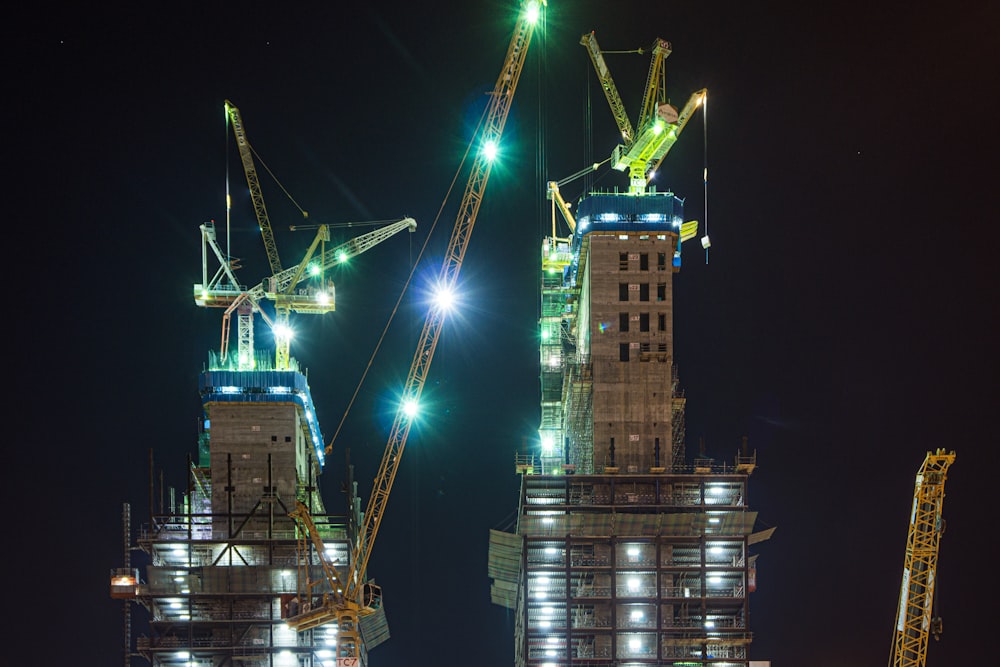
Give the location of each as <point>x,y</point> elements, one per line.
<point>914,619</point>
<point>351,605</point>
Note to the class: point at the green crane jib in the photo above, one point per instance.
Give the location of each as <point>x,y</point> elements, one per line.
<point>223,291</point>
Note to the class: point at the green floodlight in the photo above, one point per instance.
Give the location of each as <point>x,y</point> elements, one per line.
<point>532,12</point>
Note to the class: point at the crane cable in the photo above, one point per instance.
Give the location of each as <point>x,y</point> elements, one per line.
<point>409,279</point>
<point>305,214</point>
<point>229,199</point>
<point>704,126</point>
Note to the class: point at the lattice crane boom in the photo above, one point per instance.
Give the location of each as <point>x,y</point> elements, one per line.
<point>608,86</point>
<point>914,619</point>
<point>319,298</point>
<point>492,129</point>
<point>233,114</point>
<point>224,291</point>
<point>288,279</point>
<point>493,126</point>
<point>656,82</point>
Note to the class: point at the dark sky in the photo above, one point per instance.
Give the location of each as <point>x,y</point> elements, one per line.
<point>845,322</point>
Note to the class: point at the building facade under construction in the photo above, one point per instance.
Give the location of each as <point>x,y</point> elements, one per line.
<point>625,553</point>
<point>218,567</point>
<point>249,569</point>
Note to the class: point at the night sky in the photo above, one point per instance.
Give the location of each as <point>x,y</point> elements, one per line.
<point>844,323</point>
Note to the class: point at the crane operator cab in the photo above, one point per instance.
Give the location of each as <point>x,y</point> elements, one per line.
<point>371,598</point>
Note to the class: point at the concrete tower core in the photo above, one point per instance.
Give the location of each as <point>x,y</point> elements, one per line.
<point>626,285</point>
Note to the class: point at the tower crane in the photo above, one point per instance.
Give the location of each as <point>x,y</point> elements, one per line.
<point>223,290</point>
<point>350,596</point>
<point>914,618</point>
<point>659,123</point>
<point>284,286</point>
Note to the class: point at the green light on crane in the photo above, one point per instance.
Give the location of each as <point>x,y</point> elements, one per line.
<point>533,12</point>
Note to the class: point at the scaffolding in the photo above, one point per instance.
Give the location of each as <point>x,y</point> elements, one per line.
<point>614,569</point>
<point>217,571</point>
<point>624,554</point>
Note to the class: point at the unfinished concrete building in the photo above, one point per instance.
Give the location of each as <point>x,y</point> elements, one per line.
<point>215,570</point>
<point>624,552</point>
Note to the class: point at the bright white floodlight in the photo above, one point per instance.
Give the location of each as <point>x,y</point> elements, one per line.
<point>490,150</point>
<point>283,332</point>
<point>444,298</point>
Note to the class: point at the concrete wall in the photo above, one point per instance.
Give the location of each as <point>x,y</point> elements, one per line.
<point>253,444</point>
<point>632,386</point>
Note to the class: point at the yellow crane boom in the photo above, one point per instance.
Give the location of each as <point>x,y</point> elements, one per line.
<point>914,619</point>
<point>254,184</point>
<point>492,130</point>
<point>608,86</point>
<point>346,610</point>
